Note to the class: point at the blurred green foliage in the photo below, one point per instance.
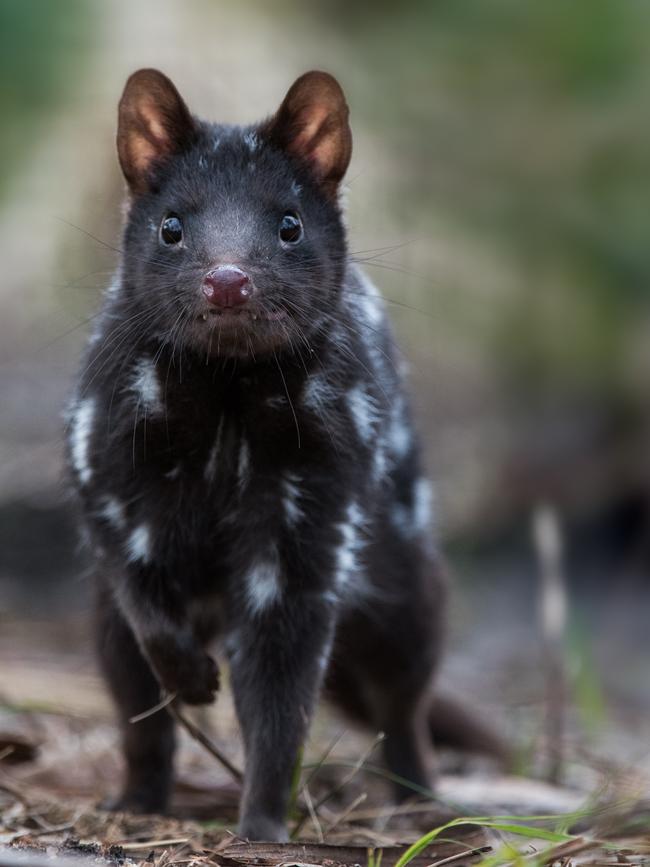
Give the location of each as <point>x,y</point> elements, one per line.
<point>525,123</point>
<point>586,687</point>
<point>42,47</point>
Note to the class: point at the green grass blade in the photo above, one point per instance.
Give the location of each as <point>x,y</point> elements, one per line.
<point>507,827</point>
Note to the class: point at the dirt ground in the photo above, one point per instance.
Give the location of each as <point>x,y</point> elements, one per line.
<point>59,756</point>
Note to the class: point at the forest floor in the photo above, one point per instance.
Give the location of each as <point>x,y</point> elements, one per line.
<point>59,756</point>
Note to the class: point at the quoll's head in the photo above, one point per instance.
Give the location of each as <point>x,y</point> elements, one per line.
<point>234,240</point>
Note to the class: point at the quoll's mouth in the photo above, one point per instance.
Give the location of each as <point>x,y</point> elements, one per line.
<point>229,315</point>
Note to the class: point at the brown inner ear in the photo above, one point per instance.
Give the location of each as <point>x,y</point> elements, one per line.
<point>154,124</point>
<point>146,140</point>
<point>312,125</point>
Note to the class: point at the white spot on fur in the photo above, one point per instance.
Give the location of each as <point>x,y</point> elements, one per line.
<point>402,520</point>
<point>80,434</point>
<point>243,463</point>
<point>86,539</point>
<point>146,385</point>
<point>422,499</point>
<point>138,545</point>
<point>372,309</point>
<point>296,188</point>
<point>252,141</point>
<point>112,510</point>
<point>325,656</point>
<point>400,432</point>
<point>363,411</point>
<point>203,163</point>
<point>368,300</point>
<point>215,144</point>
<point>263,587</point>
<point>211,465</point>
<point>174,473</point>
<point>414,520</point>
<point>403,367</point>
<point>114,286</point>
<point>352,543</point>
<point>319,392</point>
<point>400,438</point>
<point>379,461</point>
<point>291,495</point>
<point>330,597</point>
<point>340,335</point>
<point>233,646</point>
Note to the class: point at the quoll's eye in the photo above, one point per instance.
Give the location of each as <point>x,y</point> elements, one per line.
<point>171,230</point>
<point>290,230</point>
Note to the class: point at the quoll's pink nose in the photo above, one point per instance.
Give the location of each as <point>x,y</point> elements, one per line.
<point>227,286</point>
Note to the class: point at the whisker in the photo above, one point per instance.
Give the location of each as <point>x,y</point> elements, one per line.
<point>286,390</point>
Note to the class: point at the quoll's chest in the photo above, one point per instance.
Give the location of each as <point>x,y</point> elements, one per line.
<point>185,511</point>
<point>196,472</point>
<point>189,479</point>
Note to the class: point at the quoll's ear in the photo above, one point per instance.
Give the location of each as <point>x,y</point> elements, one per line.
<point>312,125</point>
<point>153,124</point>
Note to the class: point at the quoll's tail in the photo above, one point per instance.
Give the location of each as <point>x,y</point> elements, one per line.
<point>452,723</point>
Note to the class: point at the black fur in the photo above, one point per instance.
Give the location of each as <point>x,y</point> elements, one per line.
<point>257,482</point>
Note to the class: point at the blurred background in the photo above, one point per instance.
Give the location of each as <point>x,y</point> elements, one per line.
<point>499,195</point>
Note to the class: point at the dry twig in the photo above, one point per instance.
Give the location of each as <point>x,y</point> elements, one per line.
<point>195,732</point>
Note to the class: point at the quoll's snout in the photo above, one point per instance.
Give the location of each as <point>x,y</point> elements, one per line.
<point>227,286</point>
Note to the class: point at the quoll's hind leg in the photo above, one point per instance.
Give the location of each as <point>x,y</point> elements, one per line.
<point>376,694</point>
<point>149,744</point>
<point>385,656</point>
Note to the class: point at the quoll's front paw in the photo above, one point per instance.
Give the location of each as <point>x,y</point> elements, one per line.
<point>201,684</point>
<point>187,671</point>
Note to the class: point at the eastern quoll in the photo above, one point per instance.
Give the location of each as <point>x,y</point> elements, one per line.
<point>241,443</point>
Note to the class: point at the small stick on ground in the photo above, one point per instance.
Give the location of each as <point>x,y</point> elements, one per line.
<point>347,812</point>
<point>339,786</point>
<point>199,736</point>
<point>312,815</point>
<point>547,535</point>
<point>14,791</point>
